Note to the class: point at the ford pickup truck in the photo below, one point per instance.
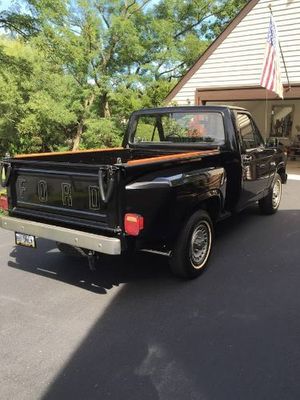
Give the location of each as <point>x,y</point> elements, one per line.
<point>179,171</point>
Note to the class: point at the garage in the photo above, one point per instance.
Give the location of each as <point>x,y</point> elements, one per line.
<point>229,71</point>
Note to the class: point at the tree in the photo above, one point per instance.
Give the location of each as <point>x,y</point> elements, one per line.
<point>96,43</point>
<point>35,104</point>
<point>121,54</point>
<point>16,22</point>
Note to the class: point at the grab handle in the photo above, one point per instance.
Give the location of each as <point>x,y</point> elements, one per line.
<point>109,173</point>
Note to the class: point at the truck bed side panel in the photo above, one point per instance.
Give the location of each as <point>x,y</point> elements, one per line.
<point>167,200</point>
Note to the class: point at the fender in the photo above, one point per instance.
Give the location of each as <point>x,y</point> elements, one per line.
<point>281,170</point>
<point>166,202</point>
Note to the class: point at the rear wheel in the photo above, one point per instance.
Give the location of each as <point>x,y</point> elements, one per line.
<point>270,203</point>
<point>193,247</point>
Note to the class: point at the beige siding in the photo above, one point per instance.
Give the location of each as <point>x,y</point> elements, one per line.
<point>238,60</point>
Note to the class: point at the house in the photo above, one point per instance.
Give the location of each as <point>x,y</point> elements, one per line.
<point>229,71</point>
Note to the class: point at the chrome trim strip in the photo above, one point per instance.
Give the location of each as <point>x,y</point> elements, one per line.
<point>85,240</point>
<point>160,253</point>
<point>148,185</point>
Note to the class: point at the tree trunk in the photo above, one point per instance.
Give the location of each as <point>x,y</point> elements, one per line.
<point>80,125</point>
<point>104,106</point>
<point>78,135</point>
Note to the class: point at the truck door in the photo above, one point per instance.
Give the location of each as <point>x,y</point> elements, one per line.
<point>255,157</point>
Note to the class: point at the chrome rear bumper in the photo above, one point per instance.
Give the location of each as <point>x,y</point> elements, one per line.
<point>85,240</point>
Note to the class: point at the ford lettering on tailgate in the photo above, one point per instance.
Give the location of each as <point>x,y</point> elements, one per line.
<point>59,191</point>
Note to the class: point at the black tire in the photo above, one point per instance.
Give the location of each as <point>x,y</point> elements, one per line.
<point>188,261</point>
<point>270,204</point>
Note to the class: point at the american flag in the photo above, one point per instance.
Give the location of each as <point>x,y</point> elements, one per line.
<point>271,73</point>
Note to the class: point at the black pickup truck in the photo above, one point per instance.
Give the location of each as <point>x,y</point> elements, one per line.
<point>179,171</point>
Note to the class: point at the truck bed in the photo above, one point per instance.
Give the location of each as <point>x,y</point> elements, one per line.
<point>102,156</point>
<point>64,189</point>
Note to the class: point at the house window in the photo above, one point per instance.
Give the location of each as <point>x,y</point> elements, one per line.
<point>282,121</point>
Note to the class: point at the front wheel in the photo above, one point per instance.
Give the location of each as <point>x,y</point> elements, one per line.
<point>270,203</point>
<point>193,247</point>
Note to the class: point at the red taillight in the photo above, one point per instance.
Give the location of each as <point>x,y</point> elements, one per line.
<point>3,203</point>
<point>133,223</point>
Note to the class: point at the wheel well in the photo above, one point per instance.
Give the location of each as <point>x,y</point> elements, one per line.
<point>212,205</point>
<point>282,173</point>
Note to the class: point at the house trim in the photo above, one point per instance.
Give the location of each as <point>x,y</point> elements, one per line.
<point>243,94</point>
<point>201,60</point>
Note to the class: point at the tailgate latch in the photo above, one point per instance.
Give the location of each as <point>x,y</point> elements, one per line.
<point>5,172</point>
<point>106,177</point>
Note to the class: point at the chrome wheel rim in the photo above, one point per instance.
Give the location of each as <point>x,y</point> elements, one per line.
<point>200,245</point>
<point>276,195</point>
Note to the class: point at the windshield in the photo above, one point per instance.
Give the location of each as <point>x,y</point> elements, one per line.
<point>180,127</point>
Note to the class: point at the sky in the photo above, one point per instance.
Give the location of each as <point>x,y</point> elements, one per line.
<point>4,4</point>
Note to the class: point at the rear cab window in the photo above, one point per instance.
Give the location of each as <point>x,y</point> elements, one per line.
<point>179,128</point>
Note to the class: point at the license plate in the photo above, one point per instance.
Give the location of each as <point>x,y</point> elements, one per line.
<point>22,239</point>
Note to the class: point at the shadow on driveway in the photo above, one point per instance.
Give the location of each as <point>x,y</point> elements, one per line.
<point>231,334</point>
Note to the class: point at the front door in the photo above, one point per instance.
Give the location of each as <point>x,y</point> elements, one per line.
<point>256,159</point>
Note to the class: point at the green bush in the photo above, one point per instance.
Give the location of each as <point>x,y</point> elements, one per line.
<point>102,132</point>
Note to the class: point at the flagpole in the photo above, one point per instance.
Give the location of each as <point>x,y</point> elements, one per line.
<point>281,51</point>
<point>266,113</point>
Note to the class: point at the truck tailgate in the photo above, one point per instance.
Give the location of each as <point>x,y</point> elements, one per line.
<point>63,194</point>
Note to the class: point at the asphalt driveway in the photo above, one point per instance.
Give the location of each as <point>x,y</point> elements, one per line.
<point>135,332</point>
